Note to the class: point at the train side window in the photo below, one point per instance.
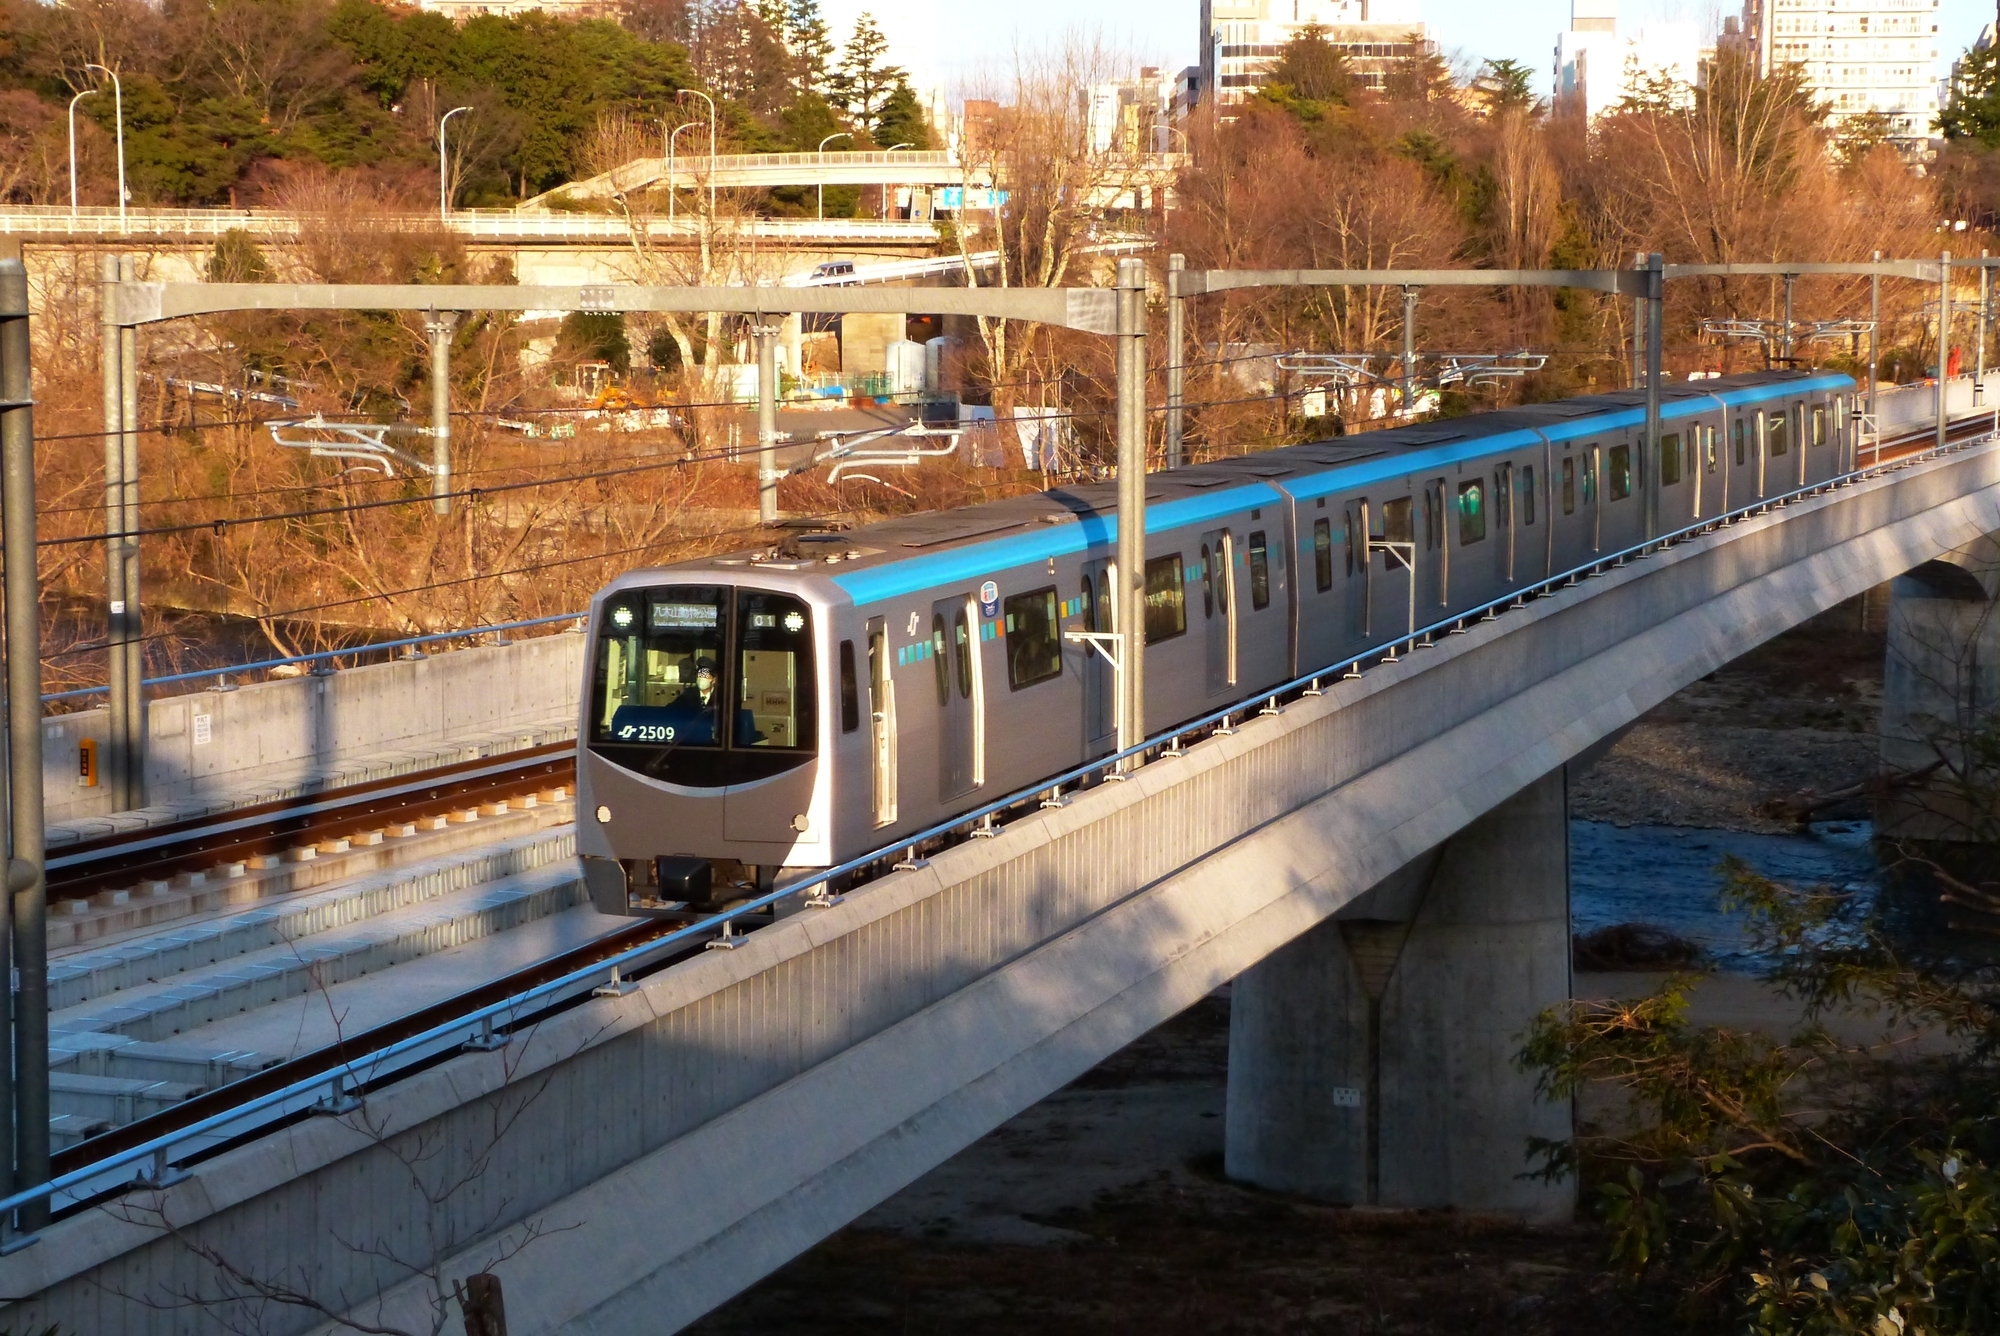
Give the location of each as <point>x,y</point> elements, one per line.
<point>1399,522</point>
<point>1774,434</point>
<point>1034,640</point>
<point>1260,572</point>
<point>1670,459</point>
<point>1166,599</point>
<point>1503,507</point>
<point>940,669</point>
<point>1819,424</point>
<point>1619,469</point>
<point>1708,446</point>
<point>1569,484</point>
<point>1590,475</point>
<point>961,653</point>
<point>850,690</point>
<point>1471,512</point>
<point>1323,554</point>
<point>1736,439</point>
<point>1527,494</point>
<point>1207,583</point>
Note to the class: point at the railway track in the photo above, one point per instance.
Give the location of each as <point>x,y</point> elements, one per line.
<point>229,851</point>
<point>229,845</point>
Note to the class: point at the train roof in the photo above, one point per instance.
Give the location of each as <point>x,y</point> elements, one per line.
<point>889,557</point>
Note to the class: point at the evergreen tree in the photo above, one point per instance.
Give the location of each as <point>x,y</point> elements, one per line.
<point>1508,85</point>
<point>866,79</point>
<point>1312,69</point>
<point>1974,109</point>
<point>902,120</point>
<point>811,44</point>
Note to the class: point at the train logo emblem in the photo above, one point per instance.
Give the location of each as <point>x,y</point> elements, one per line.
<point>989,599</point>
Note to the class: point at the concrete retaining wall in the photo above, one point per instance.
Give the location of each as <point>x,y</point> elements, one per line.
<point>1899,408</point>
<point>216,749</point>
<point>658,1151</point>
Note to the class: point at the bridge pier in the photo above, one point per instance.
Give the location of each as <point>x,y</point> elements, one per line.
<point>1371,1060</point>
<point>1940,688</point>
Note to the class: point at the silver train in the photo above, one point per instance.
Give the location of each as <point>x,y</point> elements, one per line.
<point>801,707</point>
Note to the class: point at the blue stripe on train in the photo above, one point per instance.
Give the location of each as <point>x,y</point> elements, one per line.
<point>963,565</point>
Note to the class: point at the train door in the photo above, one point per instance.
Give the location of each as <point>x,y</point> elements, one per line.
<point>1741,468</point>
<point>950,671</point>
<point>1100,703</point>
<point>882,721</point>
<point>1361,601</point>
<point>1763,445</point>
<point>1435,563</point>
<point>1593,493</point>
<point>1801,441</point>
<point>1218,602</point>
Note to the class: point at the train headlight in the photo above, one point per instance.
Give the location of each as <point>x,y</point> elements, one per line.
<point>795,621</point>
<point>603,816</point>
<point>621,617</point>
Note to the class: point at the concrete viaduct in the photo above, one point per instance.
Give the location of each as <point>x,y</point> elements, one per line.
<point>1381,870</point>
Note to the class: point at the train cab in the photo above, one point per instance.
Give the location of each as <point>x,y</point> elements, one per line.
<point>702,713</point>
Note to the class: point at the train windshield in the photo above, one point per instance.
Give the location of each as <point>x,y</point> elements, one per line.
<point>690,676</point>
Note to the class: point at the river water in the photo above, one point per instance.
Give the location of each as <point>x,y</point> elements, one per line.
<point>1670,876</point>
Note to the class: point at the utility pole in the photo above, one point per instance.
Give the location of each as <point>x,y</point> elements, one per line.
<point>1874,330</point>
<point>439,325</point>
<point>1979,352</point>
<point>1409,346</point>
<point>1943,339</point>
<point>1176,359</point>
<point>109,350</point>
<point>1787,344</point>
<point>128,482</point>
<point>126,771</point>
<point>1130,608</point>
<point>1638,328</point>
<point>1649,461</point>
<point>26,885</point>
<point>767,420</point>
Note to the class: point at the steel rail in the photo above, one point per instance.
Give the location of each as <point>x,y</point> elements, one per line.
<point>275,829</point>
<point>334,1089</point>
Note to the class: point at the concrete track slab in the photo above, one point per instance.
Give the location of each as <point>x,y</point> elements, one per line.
<point>312,1020</point>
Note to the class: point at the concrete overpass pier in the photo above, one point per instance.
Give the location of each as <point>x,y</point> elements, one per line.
<point>1371,1060</point>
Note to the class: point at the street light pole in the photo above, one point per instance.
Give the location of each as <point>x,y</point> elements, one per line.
<point>444,189</point>
<point>821,187</point>
<point>695,92</point>
<point>672,188</point>
<point>88,92</point>
<point>118,104</point>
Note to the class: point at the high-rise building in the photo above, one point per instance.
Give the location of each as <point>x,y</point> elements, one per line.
<point>1860,55</point>
<point>1598,66</point>
<point>1241,39</point>
<point>1131,115</point>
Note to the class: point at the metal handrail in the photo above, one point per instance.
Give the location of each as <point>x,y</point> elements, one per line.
<point>504,225</point>
<point>357,1073</point>
<point>321,656</point>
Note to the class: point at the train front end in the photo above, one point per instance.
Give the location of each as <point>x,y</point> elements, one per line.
<point>699,750</point>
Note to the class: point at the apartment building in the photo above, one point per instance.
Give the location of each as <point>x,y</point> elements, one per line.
<point>1860,55</point>
<point>1241,39</point>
